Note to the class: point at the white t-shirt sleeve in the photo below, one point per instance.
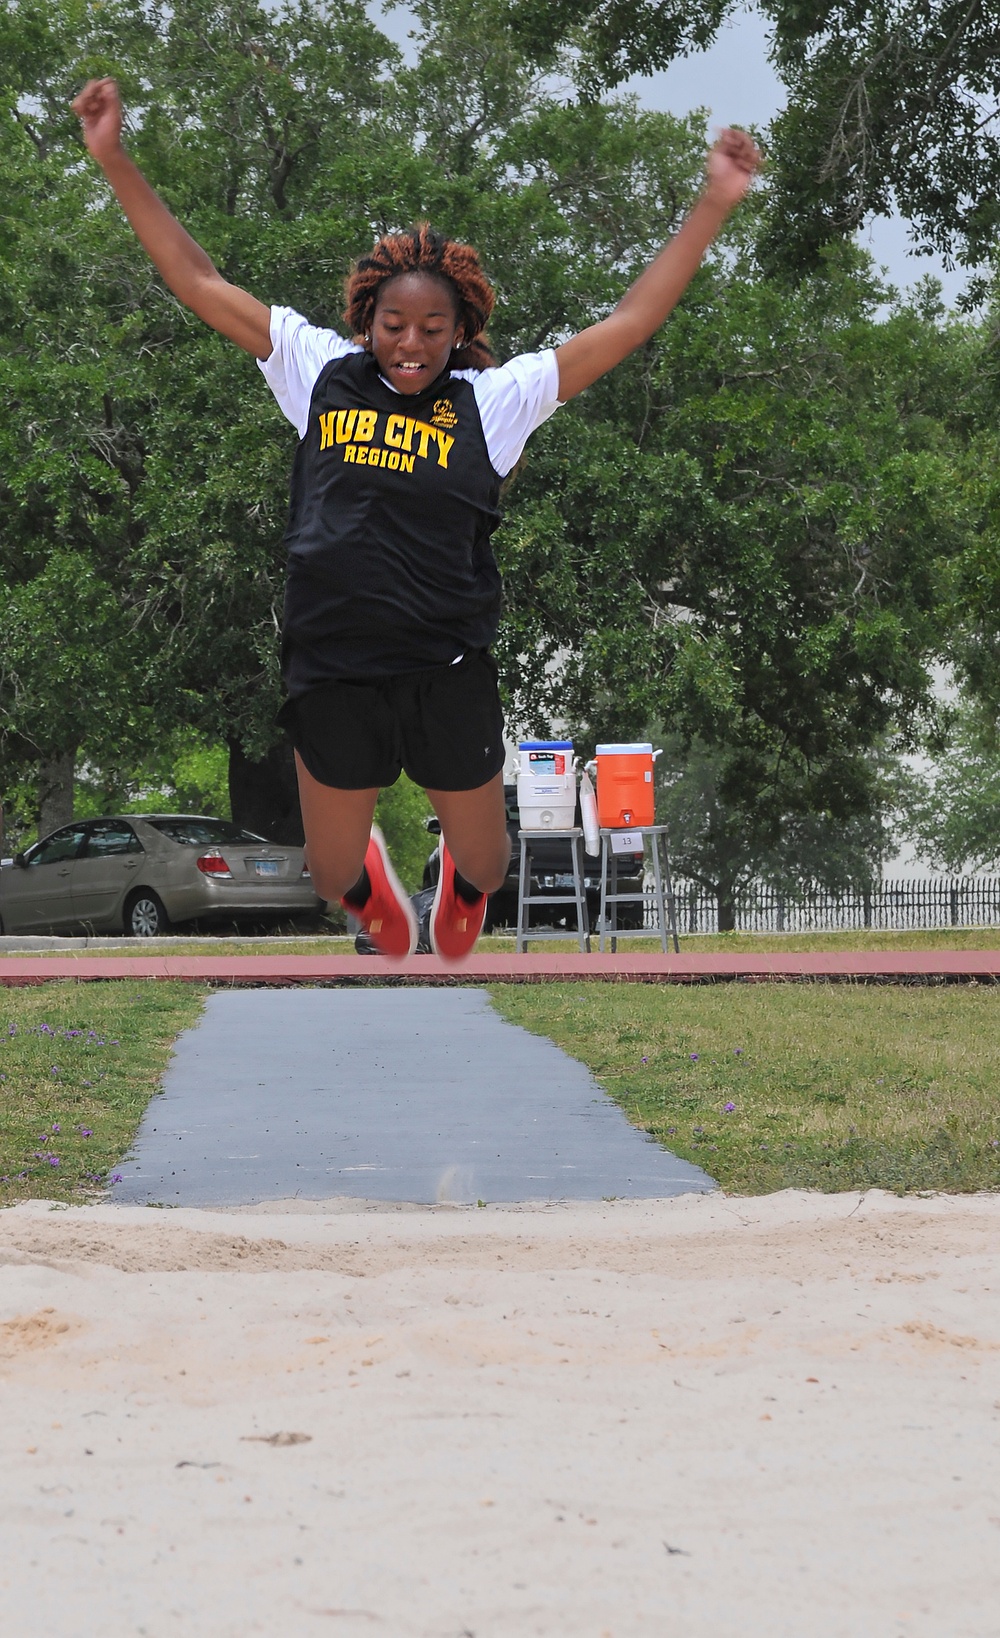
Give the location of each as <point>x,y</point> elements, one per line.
<point>299,352</point>
<point>513,400</point>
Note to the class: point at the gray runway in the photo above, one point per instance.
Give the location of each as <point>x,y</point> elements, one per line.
<point>422,1095</point>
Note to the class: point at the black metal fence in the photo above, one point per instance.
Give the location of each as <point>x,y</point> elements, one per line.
<point>936,901</point>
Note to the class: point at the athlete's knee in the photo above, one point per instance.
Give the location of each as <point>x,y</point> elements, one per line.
<point>485,868</point>
<point>491,881</point>
<point>333,878</point>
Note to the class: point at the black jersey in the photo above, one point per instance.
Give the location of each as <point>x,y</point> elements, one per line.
<point>393,503</point>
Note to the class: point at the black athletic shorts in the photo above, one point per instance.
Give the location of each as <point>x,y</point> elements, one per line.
<point>443,725</point>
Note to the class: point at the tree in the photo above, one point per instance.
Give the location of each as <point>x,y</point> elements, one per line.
<point>751,527</point>
<point>157,435</point>
<point>724,840</point>
<point>740,533</point>
<point>889,105</point>
<point>951,808</point>
<point>140,456</point>
<point>70,645</point>
<point>607,41</point>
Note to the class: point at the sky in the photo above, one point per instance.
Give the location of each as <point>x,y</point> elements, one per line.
<point>734,80</point>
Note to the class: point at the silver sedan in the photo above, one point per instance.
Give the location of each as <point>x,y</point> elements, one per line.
<point>137,875</point>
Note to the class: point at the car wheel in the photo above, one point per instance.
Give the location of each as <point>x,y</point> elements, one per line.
<point>145,916</point>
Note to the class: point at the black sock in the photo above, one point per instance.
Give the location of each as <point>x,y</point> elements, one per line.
<point>360,893</point>
<point>466,891</point>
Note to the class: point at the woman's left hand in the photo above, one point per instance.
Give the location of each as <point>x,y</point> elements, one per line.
<point>731,167</point>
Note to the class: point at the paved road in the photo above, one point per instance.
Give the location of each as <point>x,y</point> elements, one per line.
<point>383,1094</point>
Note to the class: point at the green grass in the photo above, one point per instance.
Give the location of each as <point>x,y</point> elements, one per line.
<point>946,938</point>
<point>833,1086</point>
<point>57,1087</point>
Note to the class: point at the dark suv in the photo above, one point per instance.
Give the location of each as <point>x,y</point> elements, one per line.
<point>551,874</point>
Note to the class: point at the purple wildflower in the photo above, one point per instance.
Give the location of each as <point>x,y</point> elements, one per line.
<point>644,1060</point>
<point>86,1131</point>
<point>737,1052</point>
<point>55,1126</point>
<point>729,1107</point>
<point>86,1083</point>
<point>53,1160</point>
<point>693,1056</point>
<point>115,1177</point>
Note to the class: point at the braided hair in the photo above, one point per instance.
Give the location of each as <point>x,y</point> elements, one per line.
<point>423,250</point>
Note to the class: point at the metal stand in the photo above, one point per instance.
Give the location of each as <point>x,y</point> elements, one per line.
<point>660,900</point>
<point>525,897</point>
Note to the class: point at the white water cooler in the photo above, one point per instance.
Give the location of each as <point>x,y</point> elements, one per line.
<point>546,784</point>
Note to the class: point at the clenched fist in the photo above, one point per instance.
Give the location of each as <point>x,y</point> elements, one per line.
<point>100,111</point>
<point>731,166</point>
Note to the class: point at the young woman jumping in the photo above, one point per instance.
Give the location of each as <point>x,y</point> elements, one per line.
<point>393,594</point>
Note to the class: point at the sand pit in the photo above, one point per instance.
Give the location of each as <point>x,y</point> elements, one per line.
<point>702,1417</point>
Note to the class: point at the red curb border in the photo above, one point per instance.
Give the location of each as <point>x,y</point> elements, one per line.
<point>942,966</point>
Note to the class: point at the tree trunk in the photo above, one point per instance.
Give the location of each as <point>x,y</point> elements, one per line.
<point>55,792</point>
<point>264,795</point>
<point>726,900</point>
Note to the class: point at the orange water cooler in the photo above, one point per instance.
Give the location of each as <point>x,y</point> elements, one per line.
<point>625,790</point>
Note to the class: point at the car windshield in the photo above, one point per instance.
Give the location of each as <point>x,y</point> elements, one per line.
<point>203,832</point>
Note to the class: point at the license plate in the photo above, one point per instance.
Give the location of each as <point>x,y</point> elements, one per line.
<point>266,867</point>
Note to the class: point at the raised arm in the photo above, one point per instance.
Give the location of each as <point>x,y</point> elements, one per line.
<point>184,265</point>
<point>656,292</point>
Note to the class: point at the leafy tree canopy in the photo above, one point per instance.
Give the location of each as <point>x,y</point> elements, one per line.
<point>739,535</point>
<point>950,808</point>
<point>889,105</point>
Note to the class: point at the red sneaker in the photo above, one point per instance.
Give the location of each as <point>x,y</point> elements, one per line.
<point>455,924</point>
<point>388,918</point>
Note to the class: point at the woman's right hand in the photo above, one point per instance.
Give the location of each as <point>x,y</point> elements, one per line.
<point>99,108</point>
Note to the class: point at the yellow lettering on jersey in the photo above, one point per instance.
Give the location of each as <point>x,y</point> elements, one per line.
<point>394,458</point>
<point>345,425</point>
<point>408,430</point>
<point>406,463</point>
<point>326,430</point>
<point>444,444</point>
<point>426,434</point>
<point>350,450</point>
<point>364,432</point>
<point>394,429</point>
<point>361,458</point>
